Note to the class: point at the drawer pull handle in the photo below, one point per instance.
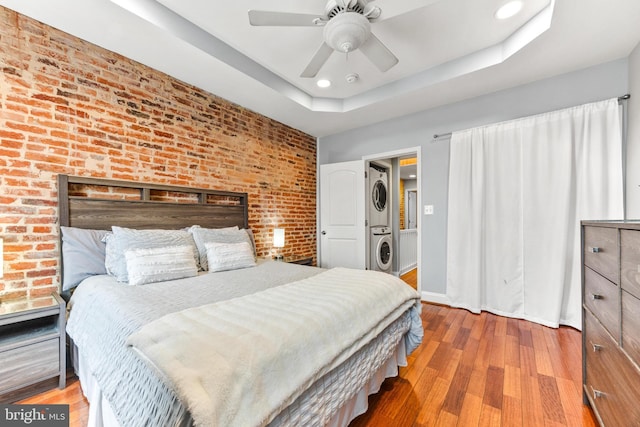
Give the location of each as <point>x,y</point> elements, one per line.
<point>596,347</point>
<point>595,249</point>
<point>596,296</point>
<point>597,393</point>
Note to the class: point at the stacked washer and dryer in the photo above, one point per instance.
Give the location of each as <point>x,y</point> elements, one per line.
<point>379,220</point>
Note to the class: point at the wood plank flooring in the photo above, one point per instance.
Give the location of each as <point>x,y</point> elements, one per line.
<point>411,277</point>
<point>470,370</point>
<point>484,370</point>
<point>71,395</point>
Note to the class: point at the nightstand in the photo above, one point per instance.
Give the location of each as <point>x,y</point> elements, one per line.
<point>32,344</point>
<point>299,260</point>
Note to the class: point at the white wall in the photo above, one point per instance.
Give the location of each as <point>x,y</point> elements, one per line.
<point>410,184</point>
<point>633,137</point>
<point>593,84</point>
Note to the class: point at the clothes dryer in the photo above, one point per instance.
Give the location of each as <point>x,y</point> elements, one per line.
<point>381,249</point>
<point>379,197</point>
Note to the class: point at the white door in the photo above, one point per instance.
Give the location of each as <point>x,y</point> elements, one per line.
<point>342,215</point>
<point>412,209</point>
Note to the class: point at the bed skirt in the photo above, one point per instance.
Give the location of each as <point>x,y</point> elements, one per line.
<point>101,414</point>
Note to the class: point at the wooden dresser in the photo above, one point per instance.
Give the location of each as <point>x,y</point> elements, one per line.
<point>611,321</point>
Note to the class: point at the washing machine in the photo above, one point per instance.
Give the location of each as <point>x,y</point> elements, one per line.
<point>381,249</point>
<point>379,197</point>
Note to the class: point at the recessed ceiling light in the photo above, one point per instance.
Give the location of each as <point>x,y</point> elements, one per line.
<point>509,9</point>
<point>412,176</point>
<point>323,83</point>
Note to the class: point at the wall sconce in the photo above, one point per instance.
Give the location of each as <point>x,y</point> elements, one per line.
<point>278,241</point>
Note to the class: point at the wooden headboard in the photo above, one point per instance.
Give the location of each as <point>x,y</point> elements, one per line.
<point>97,203</point>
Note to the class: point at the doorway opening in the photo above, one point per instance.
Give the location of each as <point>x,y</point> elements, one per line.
<point>403,167</point>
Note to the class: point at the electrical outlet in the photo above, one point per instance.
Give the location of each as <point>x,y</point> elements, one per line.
<point>428,209</point>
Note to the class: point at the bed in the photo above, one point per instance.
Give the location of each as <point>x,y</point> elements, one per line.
<point>245,342</point>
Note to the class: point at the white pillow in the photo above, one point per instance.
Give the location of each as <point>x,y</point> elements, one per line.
<point>125,239</point>
<point>229,256</point>
<point>150,265</point>
<point>202,236</point>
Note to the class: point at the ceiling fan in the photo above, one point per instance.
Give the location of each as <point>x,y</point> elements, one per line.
<point>347,27</point>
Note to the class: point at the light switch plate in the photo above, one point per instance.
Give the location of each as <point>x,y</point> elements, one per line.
<point>428,209</point>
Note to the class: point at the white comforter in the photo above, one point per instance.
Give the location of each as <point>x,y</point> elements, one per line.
<point>263,350</point>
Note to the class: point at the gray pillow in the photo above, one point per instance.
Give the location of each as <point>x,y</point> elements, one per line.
<point>160,264</point>
<point>83,255</point>
<point>202,236</point>
<point>125,239</point>
<point>111,256</point>
<point>252,239</point>
<point>229,256</point>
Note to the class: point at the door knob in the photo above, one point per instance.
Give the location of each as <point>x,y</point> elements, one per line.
<point>323,232</point>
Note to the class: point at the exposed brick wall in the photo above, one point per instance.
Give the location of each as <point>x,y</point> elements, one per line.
<point>67,106</point>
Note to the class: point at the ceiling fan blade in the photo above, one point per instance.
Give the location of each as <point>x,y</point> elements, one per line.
<point>317,61</point>
<point>378,53</point>
<point>283,19</point>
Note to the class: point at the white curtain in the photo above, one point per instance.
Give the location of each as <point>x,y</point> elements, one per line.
<point>517,193</point>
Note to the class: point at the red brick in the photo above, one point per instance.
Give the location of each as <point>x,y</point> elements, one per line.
<point>72,107</point>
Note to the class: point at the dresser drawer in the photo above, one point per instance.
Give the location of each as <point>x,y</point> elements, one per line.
<point>602,299</point>
<point>601,251</point>
<point>630,261</point>
<point>611,379</point>
<point>631,326</point>
<point>29,364</point>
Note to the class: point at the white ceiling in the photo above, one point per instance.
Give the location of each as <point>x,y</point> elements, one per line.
<point>448,50</point>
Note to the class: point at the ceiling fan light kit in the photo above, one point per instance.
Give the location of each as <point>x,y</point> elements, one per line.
<point>347,31</point>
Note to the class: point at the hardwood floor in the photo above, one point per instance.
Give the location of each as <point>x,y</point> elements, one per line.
<point>411,277</point>
<point>470,370</point>
<point>484,370</point>
<point>72,396</point>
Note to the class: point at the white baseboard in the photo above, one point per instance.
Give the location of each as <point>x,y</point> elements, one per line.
<point>405,270</point>
<point>435,298</point>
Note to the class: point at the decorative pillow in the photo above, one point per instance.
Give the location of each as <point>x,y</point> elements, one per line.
<point>125,239</point>
<point>229,256</point>
<point>83,255</point>
<point>160,264</point>
<point>202,236</point>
